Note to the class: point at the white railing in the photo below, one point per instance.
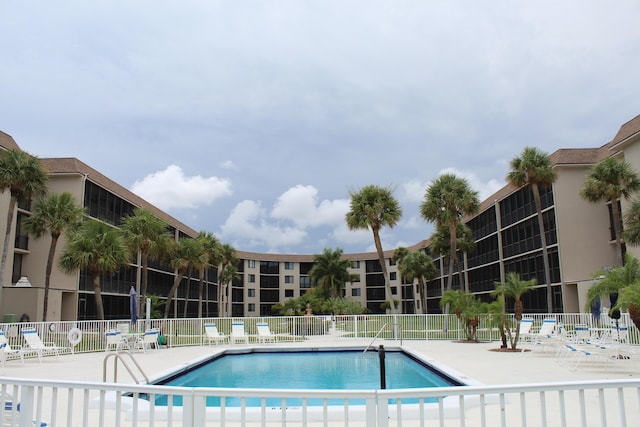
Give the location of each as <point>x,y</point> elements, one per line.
<point>604,403</point>
<point>189,332</point>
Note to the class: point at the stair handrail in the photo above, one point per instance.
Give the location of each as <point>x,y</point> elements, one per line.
<point>118,357</point>
<point>374,338</point>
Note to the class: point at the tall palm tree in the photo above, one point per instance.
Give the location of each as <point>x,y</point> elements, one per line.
<point>372,208</point>
<point>609,180</point>
<point>54,214</point>
<point>227,276</point>
<point>97,247</point>
<point>440,243</point>
<point>211,246</point>
<point>533,168</point>
<point>447,200</point>
<point>514,287</point>
<point>147,235</point>
<point>25,177</point>
<point>418,265</point>
<point>198,260</point>
<point>227,256</point>
<point>330,271</point>
<point>181,255</point>
<point>397,257</point>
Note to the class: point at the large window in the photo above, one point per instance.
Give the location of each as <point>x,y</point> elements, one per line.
<point>269,267</point>
<point>104,205</point>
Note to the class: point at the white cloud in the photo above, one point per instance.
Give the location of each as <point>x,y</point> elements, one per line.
<point>300,205</point>
<point>248,223</point>
<point>228,164</point>
<point>172,189</point>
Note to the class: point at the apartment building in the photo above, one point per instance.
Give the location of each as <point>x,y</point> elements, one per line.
<point>579,237</point>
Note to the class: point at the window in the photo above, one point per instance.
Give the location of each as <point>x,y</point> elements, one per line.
<point>288,279</point>
<point>393,275</point>
<point>252,307</point>
<point>288,266</point>
<point>252,278</point>
<point>394,290</point>
<point>251,263</point>
<point>355,292</point>
<point>251,293</point>
<point>305,282</point>
<point>355,264</point>
<point>288,293</point>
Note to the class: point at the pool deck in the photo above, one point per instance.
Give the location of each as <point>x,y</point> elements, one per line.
<point>473,362</point>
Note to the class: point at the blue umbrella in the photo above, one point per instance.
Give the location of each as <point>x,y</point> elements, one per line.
<point>133,297</point>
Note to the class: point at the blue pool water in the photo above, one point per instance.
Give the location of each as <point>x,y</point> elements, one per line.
<point>321,370</point>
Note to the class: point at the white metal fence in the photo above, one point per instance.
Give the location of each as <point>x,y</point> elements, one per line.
<point>603,403</point>
<point>23,402</point>
<point>186,332</point>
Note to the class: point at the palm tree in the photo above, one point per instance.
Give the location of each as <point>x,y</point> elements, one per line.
<point>211,246</point>
<point>227,256</point>
<point>375,207</point>
<point>631,232</point>
<point>396,258</point>
<point>418,265</point>
<point>468,309</point>
<point>514,287</point>
<point>609,180</point>
<point>97,247</point>
<point>25,177</point>
<point>147,235</point>
<point>447,200</point>
<point>181,255</point>
<point>440,241</point>
<point>227,276</point>
<point>54,214</point>
<point>533,168</point>
<point>620,280</point>
<point>331,271</point>
<point>199,261</point>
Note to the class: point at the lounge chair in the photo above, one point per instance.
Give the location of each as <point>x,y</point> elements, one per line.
<point>238,333</point>
<point>116,341</point>
<point>212,334</point>
<point>545,336</point>
<point>148,340</point>
<point>264,333</point>
<point>7,351</point>
<point>11,412</point>
<point>35,344</point>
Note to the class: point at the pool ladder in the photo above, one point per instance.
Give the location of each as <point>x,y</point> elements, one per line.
<point>118,357</point>
<point>399,331</point>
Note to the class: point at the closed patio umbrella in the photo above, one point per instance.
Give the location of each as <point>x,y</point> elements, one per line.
<point>133,305</point>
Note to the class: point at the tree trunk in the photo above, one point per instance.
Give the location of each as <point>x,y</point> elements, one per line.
<point>423,294</point>
<point>543,240</point>
<point>383,265</point>
<point>47,276</point>
<point>200,292</point>
<point>98,295</point>
<point>172,292</point>
<point>144,254</point>
<point>634,315</point>
<point>616,230</point>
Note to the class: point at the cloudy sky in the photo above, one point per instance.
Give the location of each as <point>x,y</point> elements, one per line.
<point>254,120</point>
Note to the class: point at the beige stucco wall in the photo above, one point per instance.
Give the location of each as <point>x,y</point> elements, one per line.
<point>583,236</point>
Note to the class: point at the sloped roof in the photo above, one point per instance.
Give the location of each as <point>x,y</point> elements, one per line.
<point>71,165</point>
<point>7,142</point>
<point>627,131</point>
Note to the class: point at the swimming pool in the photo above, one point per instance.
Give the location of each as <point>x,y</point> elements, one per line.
<point>320,369</point>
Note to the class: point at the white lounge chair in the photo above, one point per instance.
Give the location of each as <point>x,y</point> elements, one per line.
<point>212,334</point>
<point>264,333</point>
<point>11,412</point>
<point>148,340</point>
<point>35,344</point>
<point>6,351</point>
<point>238,333</point>
<point>116,341</point>
<point>545,336</point>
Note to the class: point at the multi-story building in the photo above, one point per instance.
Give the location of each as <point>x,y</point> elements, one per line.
<point>578,233</point>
